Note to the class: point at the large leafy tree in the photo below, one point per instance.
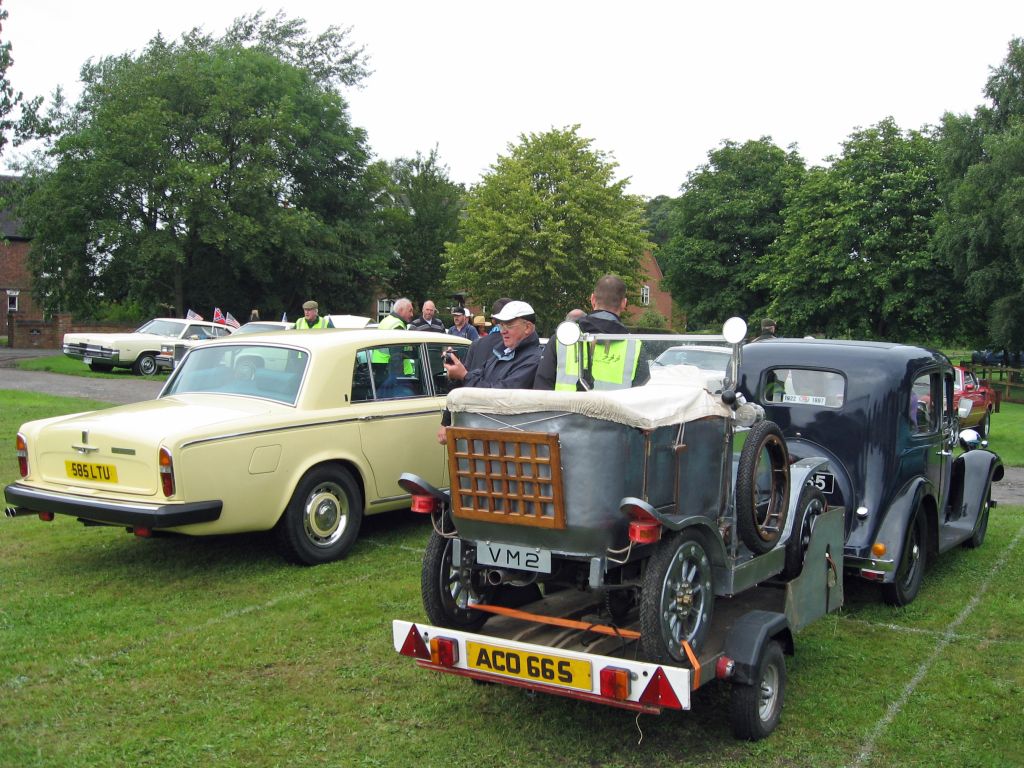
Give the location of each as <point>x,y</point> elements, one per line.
<point>854,258</point>
<point>981,224</point>
<point>729,213</point>
<point>208,172</point>
<point>420,214</point>
<point>547,220</point>
<point>9,98</point>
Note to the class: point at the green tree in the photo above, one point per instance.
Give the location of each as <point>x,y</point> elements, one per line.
<point>421,215</point>
<point>544,224</point>
<point>721,227</point>
<point>208,172</point>
<point>9,98</point>
<point>980,228</point>
<point>854,258</point>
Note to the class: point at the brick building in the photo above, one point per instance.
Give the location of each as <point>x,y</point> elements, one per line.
<point>15,278</point>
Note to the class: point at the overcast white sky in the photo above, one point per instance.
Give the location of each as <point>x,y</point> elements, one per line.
<point>656,84</point>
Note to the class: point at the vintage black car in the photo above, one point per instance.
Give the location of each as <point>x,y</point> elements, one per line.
<point>883,415</point>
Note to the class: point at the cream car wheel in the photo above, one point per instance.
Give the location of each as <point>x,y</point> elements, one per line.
<point>323,517</point>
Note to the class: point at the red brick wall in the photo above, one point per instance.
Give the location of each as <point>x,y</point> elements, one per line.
<point>29,334</point>
<point>661,300</point>
<point>14,275</point>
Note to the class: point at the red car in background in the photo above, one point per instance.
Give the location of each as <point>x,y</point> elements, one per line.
<point>967,384</point>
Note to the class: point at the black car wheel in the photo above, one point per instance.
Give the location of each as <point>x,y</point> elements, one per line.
<point>323,517</point>
<point>762,488</point>
<point>985,426</point>
<point>449,593</point>
<point>911,565</point>
<point>756,707</point>
<point>677,598</point>
<point>144,365</point>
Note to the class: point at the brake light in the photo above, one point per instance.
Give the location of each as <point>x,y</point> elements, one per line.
<point>444,651</point>
<point>644,531</point>
<point>423,504</point>
<point>21,451</point>
<point>615,683</point>
<point>166,472</point>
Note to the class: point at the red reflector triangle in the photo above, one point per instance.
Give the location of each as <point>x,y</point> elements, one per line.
<point>659,692</point>
<point>414,645</point>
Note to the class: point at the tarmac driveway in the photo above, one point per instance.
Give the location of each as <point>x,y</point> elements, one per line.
<point>120,391</point>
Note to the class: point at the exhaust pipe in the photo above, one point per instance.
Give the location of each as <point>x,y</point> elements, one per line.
<point>16,511</point>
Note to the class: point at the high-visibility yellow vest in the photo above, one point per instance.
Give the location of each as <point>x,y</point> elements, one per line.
<point>614,366</point>
<point>321,322</point>
<point>380,357</point>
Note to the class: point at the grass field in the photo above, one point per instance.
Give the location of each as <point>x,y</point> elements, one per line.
<point>116,651</point>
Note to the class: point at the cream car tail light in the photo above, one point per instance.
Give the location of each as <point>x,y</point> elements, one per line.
<point>166,472</point>
<point>21,451</point>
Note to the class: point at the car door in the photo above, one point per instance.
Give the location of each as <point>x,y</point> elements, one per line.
<point>399,416</point>
<point>931,411</point>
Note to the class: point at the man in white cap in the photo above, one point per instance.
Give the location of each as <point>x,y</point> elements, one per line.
<point>512,362</point>
<point>462,325</point>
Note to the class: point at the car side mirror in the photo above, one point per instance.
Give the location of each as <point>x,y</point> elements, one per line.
<point>964,409</point>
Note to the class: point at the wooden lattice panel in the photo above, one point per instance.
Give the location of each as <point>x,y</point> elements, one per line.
<point>506,477</point>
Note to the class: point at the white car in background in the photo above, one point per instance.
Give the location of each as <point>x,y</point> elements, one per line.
<point>137,350</point>
<point>171,352</point>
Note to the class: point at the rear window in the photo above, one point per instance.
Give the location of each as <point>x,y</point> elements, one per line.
<point>803,386</point>
<point>272,373</point>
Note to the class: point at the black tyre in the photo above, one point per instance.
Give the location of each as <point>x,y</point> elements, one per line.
<point>145,364</point>
<point>986,425</point>
<point>757,707</point>
<point>677,598</point>
<point>978,537</point>
<point>762,488</point>
<point>911,565</point>
<point>809,507</point>
<point>101,367</point>
<point>322,519</point>
<point>449,592</point>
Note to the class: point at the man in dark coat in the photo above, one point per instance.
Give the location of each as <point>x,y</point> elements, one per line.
<point>507,362</point>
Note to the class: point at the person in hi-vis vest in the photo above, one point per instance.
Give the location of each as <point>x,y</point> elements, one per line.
<point>311,317</point>
<point>605,364</point>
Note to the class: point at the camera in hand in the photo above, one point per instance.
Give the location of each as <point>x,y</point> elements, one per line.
<point>449,358</point>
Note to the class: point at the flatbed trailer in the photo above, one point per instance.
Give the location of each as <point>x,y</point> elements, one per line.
<point>561,645</point>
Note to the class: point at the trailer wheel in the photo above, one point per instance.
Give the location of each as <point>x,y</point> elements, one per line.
<point>677,598</point>
<point>757,706</point>
<point>809,507</point>
<point>762,488</point>
<point>449,592</point>
<point>910,569</point>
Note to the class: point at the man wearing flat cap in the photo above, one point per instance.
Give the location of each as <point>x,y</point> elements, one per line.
<point>767,330</point>
<point>311,317</point>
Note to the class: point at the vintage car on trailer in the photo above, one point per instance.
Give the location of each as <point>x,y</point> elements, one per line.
<point>298,431</point>
<point>627,546</point>
<point>884,416</point>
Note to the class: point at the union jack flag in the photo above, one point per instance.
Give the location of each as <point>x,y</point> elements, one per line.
<point>193,315</point>
<point>218,316</point>
<point>229,320</point>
